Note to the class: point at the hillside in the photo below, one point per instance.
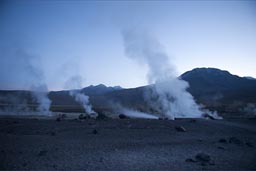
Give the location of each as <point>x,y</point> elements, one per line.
<point>216,89</point>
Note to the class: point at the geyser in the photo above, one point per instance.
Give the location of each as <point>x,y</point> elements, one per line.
<point>167,94</point>
<point>18,67</point>
<point>75,82</point>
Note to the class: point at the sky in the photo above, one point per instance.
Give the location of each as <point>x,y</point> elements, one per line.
<point>51,41</point>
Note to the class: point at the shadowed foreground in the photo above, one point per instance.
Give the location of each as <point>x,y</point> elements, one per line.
<point>127,144</point>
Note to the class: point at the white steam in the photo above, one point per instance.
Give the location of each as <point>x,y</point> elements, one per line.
<point>167,94</point>
<point>75,82</point>
<point>137,114</point>
<point>23,69</point>
<point>40,93</point>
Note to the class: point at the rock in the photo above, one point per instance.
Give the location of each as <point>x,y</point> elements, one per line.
<point>203,157</point>
<point>200,140</point>
<point>95,131</point>
<point>180,129</point>
<point>222,140</point>
<point>63,116</point>
<point>192,121</point>
<point>249,144</point>
<point>222,148</point>
<point>42,153</point>
<point>122,116</point>
<point>190,160</point>
<point>58,119</point>
<point>52,133</point>
<point>81,117</point>
<point>101,116</point>
<point>211,163</point>
<point>207,116</point>
<point>234,140</point>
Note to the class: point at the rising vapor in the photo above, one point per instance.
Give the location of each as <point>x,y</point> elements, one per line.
<point>20,68</point>
<point>75,84</point>
<point>168,94</point>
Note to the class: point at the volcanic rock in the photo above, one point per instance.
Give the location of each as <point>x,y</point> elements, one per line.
<point>234,140</point>
<point>222,140</point>
<point>122,116</point>
<point>180,129</point>
<point>202,157</point>
<point>42,153</point>
<point>95,131</point>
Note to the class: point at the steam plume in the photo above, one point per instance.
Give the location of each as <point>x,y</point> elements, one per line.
<point>21,68</point>
<point>167,94</point>
<point>75,82</point>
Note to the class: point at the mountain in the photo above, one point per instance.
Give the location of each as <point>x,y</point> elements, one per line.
<point>219,90</point>
<point>216,89</point>
<point>215,84</point>
<point>99,89</point>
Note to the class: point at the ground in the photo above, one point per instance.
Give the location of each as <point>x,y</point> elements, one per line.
<point>127,144</point>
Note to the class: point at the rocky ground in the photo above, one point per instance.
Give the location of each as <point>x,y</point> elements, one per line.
<point>127,144</point>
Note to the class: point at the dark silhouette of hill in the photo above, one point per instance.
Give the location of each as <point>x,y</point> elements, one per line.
<point>214,88</point>
<point>211,85</point>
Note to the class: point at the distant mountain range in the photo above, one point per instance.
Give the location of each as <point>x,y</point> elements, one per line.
<point>214,88</point>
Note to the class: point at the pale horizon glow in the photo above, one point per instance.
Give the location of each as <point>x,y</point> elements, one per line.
<point>66,38</point>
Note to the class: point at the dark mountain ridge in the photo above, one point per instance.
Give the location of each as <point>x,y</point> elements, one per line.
<point>214,88</point>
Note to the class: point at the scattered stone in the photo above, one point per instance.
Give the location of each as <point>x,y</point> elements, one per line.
<point>249,144</point>
<point>10,131</point>
<point>95,131</point>
<point>192,121</point>
<point>207,116</point>
<point>122,116</point>
<point>101,116</point>
<point>203,157</point>
<point>180,128</point>
<point>222,148</point>
<point>211,163</point>
<point>58,119</point>
<point>81,117</point>
<point>52,133</point>
<point>63,116</point>
<point>15,122</point>
<point>203,164</point>
<point>190,160</point>
<point>222,140</point>
<point>42,153</point>
<point>234,140</point>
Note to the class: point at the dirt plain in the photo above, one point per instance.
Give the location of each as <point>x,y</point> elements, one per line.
<point>127,144</point>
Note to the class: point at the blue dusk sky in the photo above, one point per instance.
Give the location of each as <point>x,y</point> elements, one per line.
<point>65,38</point>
